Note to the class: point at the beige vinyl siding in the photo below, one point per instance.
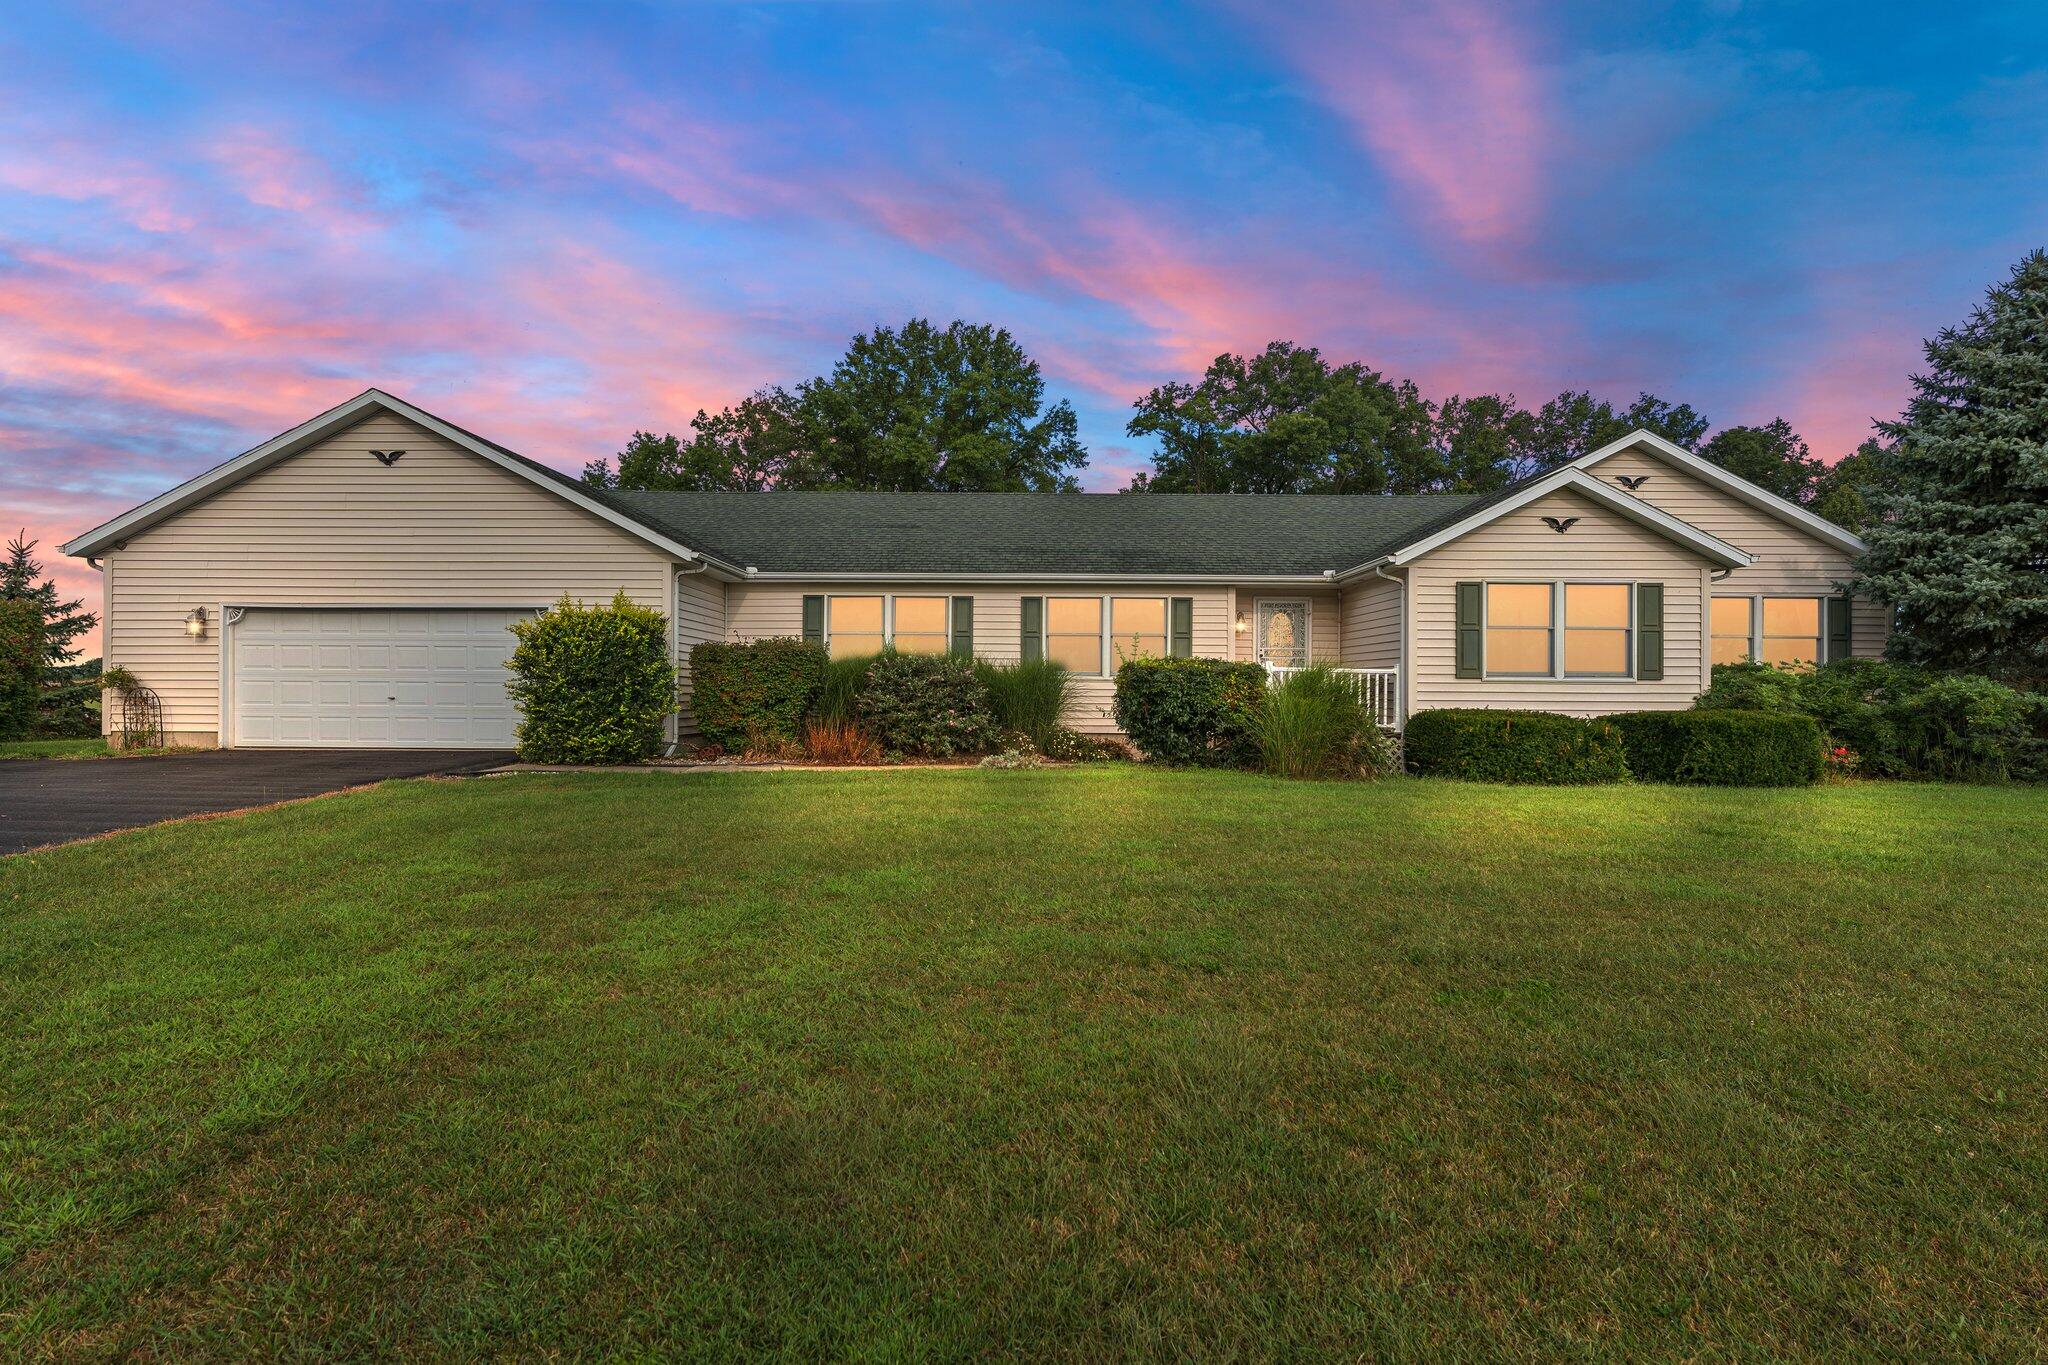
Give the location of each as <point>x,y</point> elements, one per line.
<point>758,610</point>
<point>1602,546</point>
<point>699,616</point>
<point>331,526</point>
<point>1372,624</point>
<point>1325,621</point>
<point>1789,561</point>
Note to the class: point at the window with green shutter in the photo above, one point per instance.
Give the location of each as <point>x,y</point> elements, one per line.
<point>1838,628</point>
<point>1471,660</point>
<point>1650,632</point>
<point>1031,640</point>
<point>963,627</point>
<point>814,618</point>
<point>1180,642</point>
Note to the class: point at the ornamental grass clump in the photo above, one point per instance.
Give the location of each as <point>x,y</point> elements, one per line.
<point>1314,725</point>
<point>1028,697</point>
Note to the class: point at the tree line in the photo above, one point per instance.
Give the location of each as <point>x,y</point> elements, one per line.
<point>1952,496</point>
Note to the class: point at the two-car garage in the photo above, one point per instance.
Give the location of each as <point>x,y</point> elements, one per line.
<point>359,678</point>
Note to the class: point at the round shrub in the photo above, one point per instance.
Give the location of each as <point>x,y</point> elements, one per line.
<point>925,706</point>
<point>754,695</point>
<point>1480,745</point>
<point>1723,748</point>
<point>1201,712</point>
<point>593,683</point>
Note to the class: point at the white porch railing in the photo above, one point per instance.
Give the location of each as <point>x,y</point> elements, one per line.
<point>1379,689</point>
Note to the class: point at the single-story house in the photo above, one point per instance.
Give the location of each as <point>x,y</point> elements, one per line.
<point>349,582</point>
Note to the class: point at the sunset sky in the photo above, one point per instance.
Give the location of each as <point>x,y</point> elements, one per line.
<point>555,226</point>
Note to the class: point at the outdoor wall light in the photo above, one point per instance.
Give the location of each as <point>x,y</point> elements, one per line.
<point>1240,625</point>
<point>195,623</point>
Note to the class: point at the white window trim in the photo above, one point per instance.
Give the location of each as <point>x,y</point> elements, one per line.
<point>1308,626</point>
<point>1557,629</point>
<point>1105,635</point>
<point>889,615</point>
<point>1756,621</point>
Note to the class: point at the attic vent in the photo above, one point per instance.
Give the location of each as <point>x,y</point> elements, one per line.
<point>1631,481</point>
<point>387,458</point>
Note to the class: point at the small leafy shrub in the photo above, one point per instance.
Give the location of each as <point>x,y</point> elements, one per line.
<point>1017,753</point>
<point>1029,696</point>
<point>925,706</point>
<point>749,695</point>
<point>593,683</point>
<point>1723,748</point>
<point>840,741</point>
<point>1513,746</point>
<point>1901,721</point>
<point>1972,729</point>
<point>1200,712</point>
<point>840,690</point>
<point>1313,725</point>
<point>1071,746</point>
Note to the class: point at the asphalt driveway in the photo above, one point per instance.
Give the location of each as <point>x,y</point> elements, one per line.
<point>47,801</point>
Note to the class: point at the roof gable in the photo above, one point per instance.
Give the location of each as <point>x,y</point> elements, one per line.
<point>1733,485</point>
<point>287,444</point>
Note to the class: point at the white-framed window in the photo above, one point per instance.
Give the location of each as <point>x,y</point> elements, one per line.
<point>1786,631</point>
<point>1092,636</point>
<point>1559,629</point>
<point>856,625</point>
<point>1282,626</point>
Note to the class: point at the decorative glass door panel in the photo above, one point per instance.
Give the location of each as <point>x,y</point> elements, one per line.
<point>1283,634</point>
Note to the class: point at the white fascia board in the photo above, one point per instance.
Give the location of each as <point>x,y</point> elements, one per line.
<point>1732,484</point>
<point>1570,477</point>
<point>340,418</point>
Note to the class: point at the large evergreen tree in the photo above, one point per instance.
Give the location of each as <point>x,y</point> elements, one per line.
<point>21,580</point>
<point>1961,544</point>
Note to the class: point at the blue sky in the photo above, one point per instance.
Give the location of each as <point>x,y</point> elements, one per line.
<point>559,224</point>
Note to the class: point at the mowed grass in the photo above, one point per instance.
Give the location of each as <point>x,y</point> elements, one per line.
<point>1072,1064</point>
<point>54,748</point>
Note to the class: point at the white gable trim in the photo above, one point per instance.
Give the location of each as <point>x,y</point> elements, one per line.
<point>282,447</point>
<point>1567,477</point>
<point>1732,484</point>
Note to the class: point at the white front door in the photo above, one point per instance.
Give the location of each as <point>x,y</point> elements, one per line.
<point>386,678</point>
<point>1283,633</point>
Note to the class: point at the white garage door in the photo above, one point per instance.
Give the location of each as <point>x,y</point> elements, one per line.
<point>372,679</point>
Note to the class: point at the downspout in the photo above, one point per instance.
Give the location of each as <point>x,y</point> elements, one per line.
<point>1380,571</point>
<point>675,635</point>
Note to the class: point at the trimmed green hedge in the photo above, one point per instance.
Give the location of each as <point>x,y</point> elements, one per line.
<point>1201,712</point>
<point>593,683</point>
<point>1480,745</point>
<point>925,706</point>
<point>756,694</point>
<point>1723,748</point>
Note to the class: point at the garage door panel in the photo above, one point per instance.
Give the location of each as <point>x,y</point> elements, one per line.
<point>373,678</point>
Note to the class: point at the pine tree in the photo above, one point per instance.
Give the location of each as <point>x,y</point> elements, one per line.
<point>63,622</point>
<point>1960,546</point>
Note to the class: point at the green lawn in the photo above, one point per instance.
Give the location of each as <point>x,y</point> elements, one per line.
<point>54,748</point>
<point>1063,1064</point>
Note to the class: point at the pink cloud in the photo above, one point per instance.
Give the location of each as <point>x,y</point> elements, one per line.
<point>1442,93</point>
<point>273,173</point>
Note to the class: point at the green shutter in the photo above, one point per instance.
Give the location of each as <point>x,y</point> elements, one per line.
<point>1031,644</point>
<point>814,619</point>
<point>1471,659</point>
<point>963,627</point>
<point>1838,628</point>
<point>1180,627</point>
<point>1650,632</point>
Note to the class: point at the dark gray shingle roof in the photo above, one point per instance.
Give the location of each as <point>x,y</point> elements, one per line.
<point>1106,533</point>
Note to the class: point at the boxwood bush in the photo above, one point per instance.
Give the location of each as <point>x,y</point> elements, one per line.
<point>1192,711</point>
<point>593,683</point>
<point>925,706</point>
<point>754,695</point>
<point>1541,747</point>
<point>1723,748</point>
